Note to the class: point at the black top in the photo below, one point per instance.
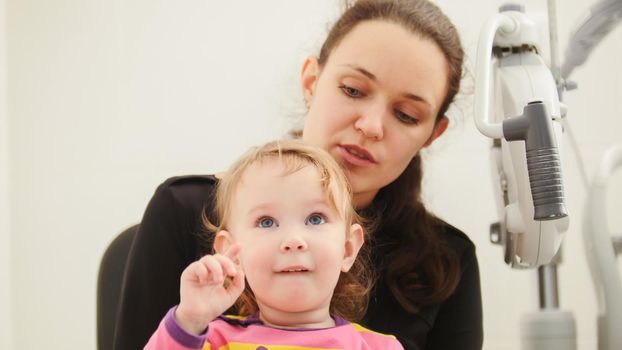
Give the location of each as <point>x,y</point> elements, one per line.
<point>168,241</point>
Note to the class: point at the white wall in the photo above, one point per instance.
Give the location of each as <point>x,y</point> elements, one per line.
<point>107,99</point>
<point>6,331</point>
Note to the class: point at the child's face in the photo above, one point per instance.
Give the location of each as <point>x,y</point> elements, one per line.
<point>294,243</point>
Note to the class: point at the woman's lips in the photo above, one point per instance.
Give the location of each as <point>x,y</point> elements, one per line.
<point>356,155</point>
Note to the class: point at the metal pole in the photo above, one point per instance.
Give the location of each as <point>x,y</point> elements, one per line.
<point>547,274</point>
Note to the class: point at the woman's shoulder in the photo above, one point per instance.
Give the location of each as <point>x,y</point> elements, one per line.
<point>186,195</point>
<point>189,180</point>
<point>188,187</point>
<point>456,238</point>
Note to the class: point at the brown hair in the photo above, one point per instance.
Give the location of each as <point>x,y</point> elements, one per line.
<point>351,293</point>
<point>424,269</point>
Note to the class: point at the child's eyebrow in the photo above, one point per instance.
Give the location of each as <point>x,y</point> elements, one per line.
<point>261,207</point>
<point>267,206</point>
<point>322,204</point>
<point>319,201</point>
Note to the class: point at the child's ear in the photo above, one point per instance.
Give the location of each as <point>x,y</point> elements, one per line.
<point>353,244</point>
<point>223,241</point>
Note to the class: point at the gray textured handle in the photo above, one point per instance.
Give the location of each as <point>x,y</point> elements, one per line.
<point>545,179</point>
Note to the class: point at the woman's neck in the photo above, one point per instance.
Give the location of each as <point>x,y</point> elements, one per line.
<point>362,200</point>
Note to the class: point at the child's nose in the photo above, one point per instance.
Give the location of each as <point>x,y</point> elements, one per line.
<point>291,244</point>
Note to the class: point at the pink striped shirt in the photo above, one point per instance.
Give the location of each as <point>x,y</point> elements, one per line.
<point>233,332</point>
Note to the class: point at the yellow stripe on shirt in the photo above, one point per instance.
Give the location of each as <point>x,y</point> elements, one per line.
<point>362,329</point>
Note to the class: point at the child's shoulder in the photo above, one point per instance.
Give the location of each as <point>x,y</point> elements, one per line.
<point>376,340</point>
<point>360,329</point>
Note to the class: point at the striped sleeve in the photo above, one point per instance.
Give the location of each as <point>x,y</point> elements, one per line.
<point>170,335</point>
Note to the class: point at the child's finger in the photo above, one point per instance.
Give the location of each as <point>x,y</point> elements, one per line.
<point>227,265</point>
<point>214,269</point>
<point>237,284</point>
<point>196,271</point>
<point>233,251</point>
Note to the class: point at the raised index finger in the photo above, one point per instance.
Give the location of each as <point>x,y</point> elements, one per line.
<point>233,251</point>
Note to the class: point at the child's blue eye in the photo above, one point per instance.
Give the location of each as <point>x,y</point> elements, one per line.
<point>266,222</point>
<point>315,219</point>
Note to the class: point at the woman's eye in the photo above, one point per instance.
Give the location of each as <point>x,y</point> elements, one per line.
<point>266,222</point>
<point>315,219</point>
<point>350,91</point>
<point>403,117</point>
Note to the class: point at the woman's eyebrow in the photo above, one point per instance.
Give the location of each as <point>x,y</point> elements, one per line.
<point>373,78</point>
<point>417,98</point>
<point>363,71</point>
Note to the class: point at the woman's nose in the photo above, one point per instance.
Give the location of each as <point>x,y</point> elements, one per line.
<point>295,243</point>
<point>371,123</point>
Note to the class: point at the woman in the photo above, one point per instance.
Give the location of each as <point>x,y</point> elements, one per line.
<point>376,95</point>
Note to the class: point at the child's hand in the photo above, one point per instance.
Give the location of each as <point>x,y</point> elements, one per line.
<point>203,293</point>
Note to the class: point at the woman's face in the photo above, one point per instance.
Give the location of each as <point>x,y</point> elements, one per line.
<point>374,103</point>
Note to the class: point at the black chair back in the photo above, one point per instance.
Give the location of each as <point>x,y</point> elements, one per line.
<point>109,282</point>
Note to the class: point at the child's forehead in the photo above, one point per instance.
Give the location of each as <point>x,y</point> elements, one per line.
<point>280,167</point>
<point>274,175</point>
<point>268,177</point>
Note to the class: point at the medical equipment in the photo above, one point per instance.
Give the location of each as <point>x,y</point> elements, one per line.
<point>517,104</point>
<point>526,166</point>
<point>513,80</point>
<point>601,250</point>
<point>600,21</point>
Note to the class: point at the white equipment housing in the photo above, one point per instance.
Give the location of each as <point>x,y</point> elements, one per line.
<point>510,70</point>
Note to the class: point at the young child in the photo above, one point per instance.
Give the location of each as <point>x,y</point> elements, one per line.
<point>285,226</point>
